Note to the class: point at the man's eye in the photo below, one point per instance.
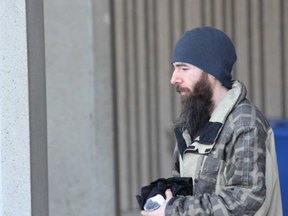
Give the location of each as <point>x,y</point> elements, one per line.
<point>184,69</point>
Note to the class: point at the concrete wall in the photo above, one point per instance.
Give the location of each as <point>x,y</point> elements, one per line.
<point>79,108</point>
<point>23,138</point>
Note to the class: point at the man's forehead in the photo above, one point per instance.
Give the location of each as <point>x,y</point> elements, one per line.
<point>183,64</point>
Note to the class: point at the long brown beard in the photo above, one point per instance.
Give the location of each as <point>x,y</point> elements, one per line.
<point>196,108</point>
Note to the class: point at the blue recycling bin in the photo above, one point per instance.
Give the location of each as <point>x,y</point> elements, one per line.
<point>280,128</point>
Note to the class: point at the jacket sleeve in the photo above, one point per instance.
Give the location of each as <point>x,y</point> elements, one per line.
<point>244,190</point>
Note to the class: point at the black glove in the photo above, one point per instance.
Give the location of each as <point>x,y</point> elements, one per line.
<point>178,186</point>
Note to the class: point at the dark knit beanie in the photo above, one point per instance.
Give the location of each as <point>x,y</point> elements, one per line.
<point>208,49</point>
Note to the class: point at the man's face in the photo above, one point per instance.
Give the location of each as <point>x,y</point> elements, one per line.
<point>196,97</point>
<point>185,76</point>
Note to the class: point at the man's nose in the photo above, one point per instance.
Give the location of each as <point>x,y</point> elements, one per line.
<point>175,79</point>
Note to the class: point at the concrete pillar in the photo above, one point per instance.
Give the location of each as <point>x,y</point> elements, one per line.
<point>79,108</point>
<point>105,102</point>
<point>23,145</point>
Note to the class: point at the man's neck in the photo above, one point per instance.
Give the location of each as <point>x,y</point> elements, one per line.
<point>219,92</point>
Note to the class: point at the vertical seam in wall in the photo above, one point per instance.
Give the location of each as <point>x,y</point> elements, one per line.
<point>182,12</point>
<point>212,13</point>
<point>137,98</point>
<point>156,87</point>
<point>262,68</point>
<point>29,111</point>
<point>171,37</point>
<point>127,101</point>
<point>203,20</point>
<point>115,116</point>
<point>250,50</point>
<point>224,16</point>
<point>30,9</point>
<point>233,32</point>
<point>282,60</point>
<point>148,98</point>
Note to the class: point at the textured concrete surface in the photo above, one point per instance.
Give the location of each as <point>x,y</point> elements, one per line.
<point>22,184</point>
<point>14,103</point>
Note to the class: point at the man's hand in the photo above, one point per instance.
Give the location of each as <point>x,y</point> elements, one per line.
<point>160,211</point>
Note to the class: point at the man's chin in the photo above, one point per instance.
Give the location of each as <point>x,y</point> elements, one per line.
<point>184,98</point>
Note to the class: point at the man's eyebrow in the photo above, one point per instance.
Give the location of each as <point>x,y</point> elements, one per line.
<point>181,64</point>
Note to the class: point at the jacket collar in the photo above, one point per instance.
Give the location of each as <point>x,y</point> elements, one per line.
<point>205,142</point>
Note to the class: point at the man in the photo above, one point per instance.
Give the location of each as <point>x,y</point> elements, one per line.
<point>223,141</point>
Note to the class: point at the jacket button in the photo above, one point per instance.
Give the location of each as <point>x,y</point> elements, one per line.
<point>196,180</point>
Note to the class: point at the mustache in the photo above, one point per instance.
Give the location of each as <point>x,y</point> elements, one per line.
<point>180,89</point>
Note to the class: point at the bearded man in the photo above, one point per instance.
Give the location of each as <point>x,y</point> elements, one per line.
<point>223,141</point>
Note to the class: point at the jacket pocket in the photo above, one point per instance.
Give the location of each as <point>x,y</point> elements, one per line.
<point>208,176</point>
<point>211,166</point>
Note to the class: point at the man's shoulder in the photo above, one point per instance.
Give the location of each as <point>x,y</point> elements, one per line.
<point>247,114</point>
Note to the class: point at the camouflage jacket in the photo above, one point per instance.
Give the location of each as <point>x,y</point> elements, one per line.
<point>232,163</point>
